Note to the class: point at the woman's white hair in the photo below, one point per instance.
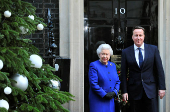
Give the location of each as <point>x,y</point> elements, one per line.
<point>104,47</point>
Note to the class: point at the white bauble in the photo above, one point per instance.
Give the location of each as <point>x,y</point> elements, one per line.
<point>21,81</point>
<point>55,84</point>
<point>7,14</point>
<point>7,90</point>
<point>31,17</point>
<point>1,64</point>
<point>23,30</point>
<point>4,103</point>
<point>36,61</point>
<point>40,27</point>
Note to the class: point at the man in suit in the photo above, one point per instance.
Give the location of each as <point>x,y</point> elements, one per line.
<point>142,74</point>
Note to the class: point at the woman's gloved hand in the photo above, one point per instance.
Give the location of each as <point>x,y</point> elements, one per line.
<point>109,95</point>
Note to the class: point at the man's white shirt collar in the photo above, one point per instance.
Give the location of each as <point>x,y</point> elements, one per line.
<point>142,47</point>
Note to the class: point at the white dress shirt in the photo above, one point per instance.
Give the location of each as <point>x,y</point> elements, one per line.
<point>137,52</point>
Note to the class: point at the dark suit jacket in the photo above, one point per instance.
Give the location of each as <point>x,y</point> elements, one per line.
<point>149,78</point>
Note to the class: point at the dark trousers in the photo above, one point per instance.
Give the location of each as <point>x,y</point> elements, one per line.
<point>144,104</point>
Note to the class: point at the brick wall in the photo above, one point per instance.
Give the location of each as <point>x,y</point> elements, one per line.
<point>40,38</point>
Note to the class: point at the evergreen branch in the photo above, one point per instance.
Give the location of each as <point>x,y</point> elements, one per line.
<point>15,52</point>
<point>2,109</point>
<point>3,21</point>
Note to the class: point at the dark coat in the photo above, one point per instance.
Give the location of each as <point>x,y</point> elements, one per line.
<point>149,78</point>
<point>102,79</point>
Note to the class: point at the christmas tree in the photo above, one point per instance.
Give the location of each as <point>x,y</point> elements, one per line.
<point>26,84</point>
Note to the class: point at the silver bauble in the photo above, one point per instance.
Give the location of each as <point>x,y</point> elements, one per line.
<point>7,90</point>
<point>23,30</point>
<point>31,17</point>
<point>4,103</point>
<point>55,84</point>
<point>40,27</point>
<point>7,14</point>
<point>36,61</point>
<point>1,64</point>
<point>21,81</point>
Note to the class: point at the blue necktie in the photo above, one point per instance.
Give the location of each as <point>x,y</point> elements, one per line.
<point>140,58</point>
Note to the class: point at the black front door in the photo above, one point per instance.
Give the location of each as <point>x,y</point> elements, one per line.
<point>111,22</point>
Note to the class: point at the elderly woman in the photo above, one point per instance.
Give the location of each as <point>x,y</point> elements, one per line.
<point>104,81</point>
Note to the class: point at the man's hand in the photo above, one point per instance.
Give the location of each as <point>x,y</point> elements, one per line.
<point>125,97</point>
<point>161,93</point>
